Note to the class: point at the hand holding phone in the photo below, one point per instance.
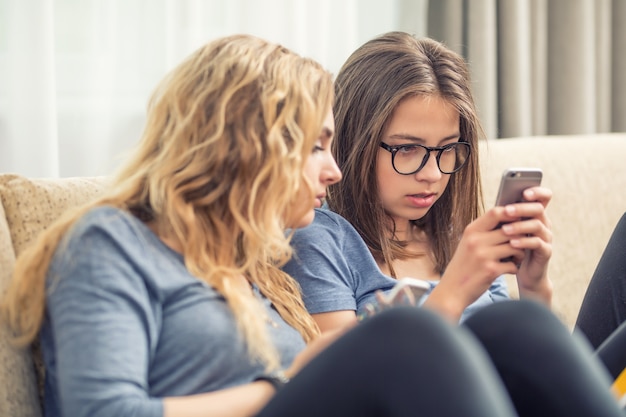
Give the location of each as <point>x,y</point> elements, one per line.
<point>407,291</point>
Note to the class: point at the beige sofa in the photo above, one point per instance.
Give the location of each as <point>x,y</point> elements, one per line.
<point>586,173</point>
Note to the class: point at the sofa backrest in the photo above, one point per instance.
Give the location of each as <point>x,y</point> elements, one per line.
<point>28,207</point>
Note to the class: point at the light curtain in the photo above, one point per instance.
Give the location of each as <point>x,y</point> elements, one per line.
<point>540,66</point>
<point>76,75</point>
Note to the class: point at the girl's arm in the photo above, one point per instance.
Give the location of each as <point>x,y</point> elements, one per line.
<point>223,403</point>
<point>228,402</point>
<point>334,319</point>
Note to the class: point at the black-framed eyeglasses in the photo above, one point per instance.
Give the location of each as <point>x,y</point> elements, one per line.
<point>409,159</point>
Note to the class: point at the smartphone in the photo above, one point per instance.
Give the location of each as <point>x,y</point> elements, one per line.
<point>513,183</point>
<point>416,287</point>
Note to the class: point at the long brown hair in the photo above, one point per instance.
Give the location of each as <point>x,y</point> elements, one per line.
<point>369,86</point>
<point>219,170</point>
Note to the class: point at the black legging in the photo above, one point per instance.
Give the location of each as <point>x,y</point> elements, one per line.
<point>603,309</point>
<point>546,370</point>
<point>410,362</point>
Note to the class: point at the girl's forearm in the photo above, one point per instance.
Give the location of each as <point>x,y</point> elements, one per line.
<point>541,292</point>
<point>242,401</point>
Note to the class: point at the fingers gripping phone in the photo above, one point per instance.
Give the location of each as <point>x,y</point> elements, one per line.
<point>513,183</point>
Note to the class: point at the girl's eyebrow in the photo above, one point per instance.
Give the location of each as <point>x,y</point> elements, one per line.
<point>420,140</point>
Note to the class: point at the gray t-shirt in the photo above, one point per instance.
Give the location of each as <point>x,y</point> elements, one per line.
<point>127,324</point>
<point>337,271</point>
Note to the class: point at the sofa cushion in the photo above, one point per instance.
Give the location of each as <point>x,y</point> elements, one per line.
<point>18,397</point>
<point>28,207</point>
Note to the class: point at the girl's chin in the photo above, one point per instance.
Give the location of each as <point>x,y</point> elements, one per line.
<point>305,220</point>
<point>420,215</point>
<point>410,215</point>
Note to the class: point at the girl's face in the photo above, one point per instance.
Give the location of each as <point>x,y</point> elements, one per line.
<point>423,120</point>
<point>320,169</point>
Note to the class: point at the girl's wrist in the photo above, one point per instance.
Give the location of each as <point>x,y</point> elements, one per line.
<point>445,304</point>
<point>277,379</point>
<point>542,291</point>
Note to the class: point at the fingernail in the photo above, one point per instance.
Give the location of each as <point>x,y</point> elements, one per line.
<point>509,209</point>
<point>507,228</point>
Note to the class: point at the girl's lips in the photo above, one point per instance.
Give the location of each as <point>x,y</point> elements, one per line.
<point>319,201</point>
<point>421,200</point>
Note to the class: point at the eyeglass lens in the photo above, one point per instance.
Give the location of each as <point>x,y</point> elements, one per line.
<point>410,159</point>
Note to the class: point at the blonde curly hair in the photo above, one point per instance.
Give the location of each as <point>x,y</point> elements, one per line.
<point>219,170</point>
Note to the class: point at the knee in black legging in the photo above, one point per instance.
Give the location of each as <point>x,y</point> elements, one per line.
<point>541,362</point>
<point>407,360</point>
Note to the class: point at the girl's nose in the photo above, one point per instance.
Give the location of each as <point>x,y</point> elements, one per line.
<point>429,172</point>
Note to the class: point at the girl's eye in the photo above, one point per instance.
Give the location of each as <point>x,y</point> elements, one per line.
<point>317,148</point>
<point>449,149</point>
<point>408,150</point>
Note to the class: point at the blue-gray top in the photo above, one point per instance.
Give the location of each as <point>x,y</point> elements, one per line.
<point>127,324</point>
<point>337,271</point>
